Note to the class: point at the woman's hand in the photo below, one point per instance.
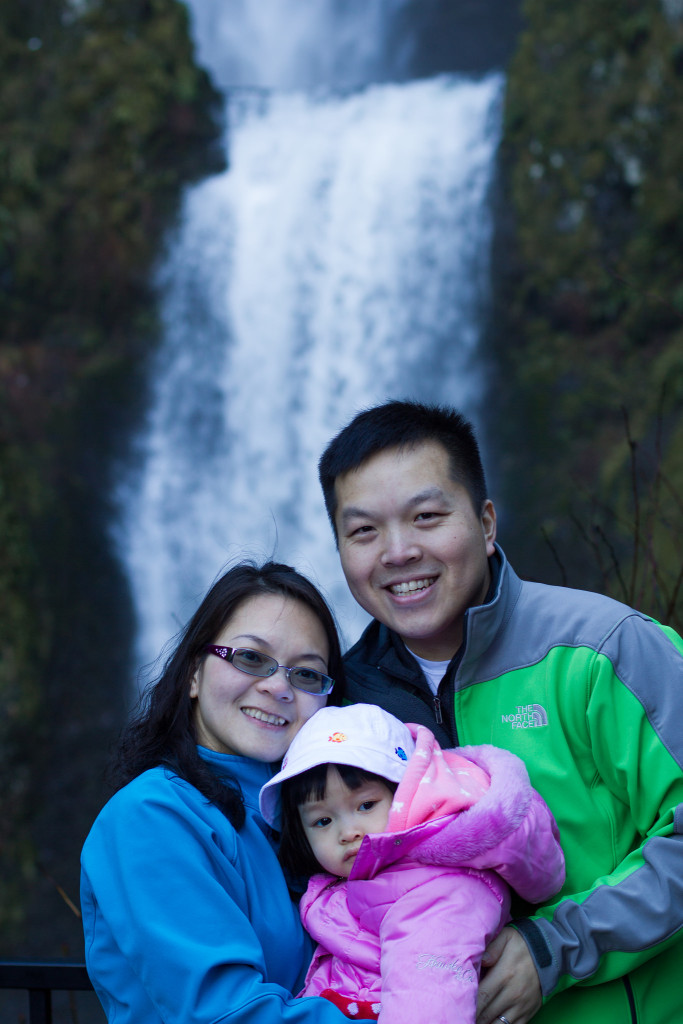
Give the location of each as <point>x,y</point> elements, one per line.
<point>510,985</point>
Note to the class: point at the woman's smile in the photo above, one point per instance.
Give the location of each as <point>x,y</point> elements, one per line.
<point>258,716</point>
<point>264,716</point>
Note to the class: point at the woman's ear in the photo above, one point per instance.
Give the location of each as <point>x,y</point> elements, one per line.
<point>194,685</point>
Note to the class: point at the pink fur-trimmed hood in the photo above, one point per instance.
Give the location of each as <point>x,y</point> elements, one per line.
<point>472,807</point>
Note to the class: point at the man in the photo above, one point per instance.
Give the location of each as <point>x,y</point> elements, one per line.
<point>586,690</point>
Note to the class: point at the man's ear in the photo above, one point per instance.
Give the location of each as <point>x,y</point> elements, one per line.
<point>489,525</point>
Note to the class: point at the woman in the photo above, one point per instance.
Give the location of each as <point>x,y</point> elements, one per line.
<point>186,912</point>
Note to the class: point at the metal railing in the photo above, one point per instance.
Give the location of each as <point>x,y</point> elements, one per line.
<point>40,978</point>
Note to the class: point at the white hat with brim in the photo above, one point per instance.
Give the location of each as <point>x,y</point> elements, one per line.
<point>361,735</point>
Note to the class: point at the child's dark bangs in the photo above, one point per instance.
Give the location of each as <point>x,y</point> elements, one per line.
<point>354,777</point>
<point>309,785</point>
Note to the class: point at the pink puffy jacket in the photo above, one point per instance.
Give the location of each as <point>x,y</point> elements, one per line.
<point>408,928</point>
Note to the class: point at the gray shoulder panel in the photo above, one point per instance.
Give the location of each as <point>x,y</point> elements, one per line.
<point>637,914</point>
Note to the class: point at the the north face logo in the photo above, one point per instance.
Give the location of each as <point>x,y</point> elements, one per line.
<point>527,716</point>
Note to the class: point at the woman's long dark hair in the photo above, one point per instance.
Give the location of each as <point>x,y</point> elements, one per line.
<point>162,729</point>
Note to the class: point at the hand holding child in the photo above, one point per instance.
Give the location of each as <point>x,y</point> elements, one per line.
<point>510,985</point>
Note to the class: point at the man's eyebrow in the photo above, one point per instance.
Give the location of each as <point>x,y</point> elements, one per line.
<point>428,494</point>
<point>354,512</point>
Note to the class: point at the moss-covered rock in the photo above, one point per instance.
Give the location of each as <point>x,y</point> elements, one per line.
<point>592,349</point>
<point>105,116</point>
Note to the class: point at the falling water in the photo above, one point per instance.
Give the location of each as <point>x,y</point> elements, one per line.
<point>341,259</point>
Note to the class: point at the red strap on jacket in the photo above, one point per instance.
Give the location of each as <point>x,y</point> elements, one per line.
<point>355,1009</point>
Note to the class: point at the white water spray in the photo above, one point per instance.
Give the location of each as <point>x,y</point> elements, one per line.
<point>342,259</point>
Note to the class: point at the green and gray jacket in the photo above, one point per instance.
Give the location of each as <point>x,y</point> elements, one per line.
<point>589,693</point>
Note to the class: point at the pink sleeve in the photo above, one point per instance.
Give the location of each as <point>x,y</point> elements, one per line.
<point>530,858</point>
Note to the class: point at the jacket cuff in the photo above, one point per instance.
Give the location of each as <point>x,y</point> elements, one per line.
<point>541,953</point>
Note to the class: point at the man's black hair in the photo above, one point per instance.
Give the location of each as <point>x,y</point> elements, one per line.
<point>404,424</point>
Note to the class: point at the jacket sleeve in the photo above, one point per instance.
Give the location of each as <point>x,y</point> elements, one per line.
<point>165,911</point>
<point>431,941</point>
<point>635,910</point>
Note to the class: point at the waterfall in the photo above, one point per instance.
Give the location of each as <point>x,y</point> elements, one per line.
<point>302,44</point>
<point>342,259</point>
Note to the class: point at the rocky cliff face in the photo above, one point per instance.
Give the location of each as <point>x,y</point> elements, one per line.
<point>105,116</point>
<point>590,300</point>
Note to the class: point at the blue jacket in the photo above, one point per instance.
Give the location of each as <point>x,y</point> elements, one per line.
<point>186,920</point>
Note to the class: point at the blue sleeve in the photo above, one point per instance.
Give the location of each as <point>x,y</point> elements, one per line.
<point>168,891</point>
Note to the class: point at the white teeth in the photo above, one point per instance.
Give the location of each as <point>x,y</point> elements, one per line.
<point>407,588</point>
<point>263,717</point>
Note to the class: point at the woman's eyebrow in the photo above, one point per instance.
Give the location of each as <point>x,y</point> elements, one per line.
<point>312,654</point>
<point>264,643</point>
<point>255,639</point>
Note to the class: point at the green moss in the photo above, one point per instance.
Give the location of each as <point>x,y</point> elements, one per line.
<point>592,152</point>
<point>104,120</point>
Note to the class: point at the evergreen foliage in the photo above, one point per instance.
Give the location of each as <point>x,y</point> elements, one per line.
<point>104,116</point>
<point>592,301</point>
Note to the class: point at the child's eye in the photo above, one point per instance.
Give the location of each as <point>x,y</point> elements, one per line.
<point>321,822</point>
<point>367,805</point>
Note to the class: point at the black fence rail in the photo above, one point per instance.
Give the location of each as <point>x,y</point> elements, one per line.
<point>40,979</point>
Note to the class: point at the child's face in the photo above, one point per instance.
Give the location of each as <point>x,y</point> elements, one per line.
<point>335,825</point>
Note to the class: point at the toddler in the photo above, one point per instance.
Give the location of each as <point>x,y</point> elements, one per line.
<point>419,846</point>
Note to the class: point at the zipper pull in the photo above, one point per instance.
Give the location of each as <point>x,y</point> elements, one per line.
<point>437,711</point>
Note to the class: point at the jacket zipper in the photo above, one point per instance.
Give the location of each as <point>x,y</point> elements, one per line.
<point>631,1000</point>
<point>437,710</point>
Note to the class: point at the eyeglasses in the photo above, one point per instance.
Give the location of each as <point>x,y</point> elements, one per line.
<point>256,664</point>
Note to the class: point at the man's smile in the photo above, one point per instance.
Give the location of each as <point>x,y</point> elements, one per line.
<point>409,586</point>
